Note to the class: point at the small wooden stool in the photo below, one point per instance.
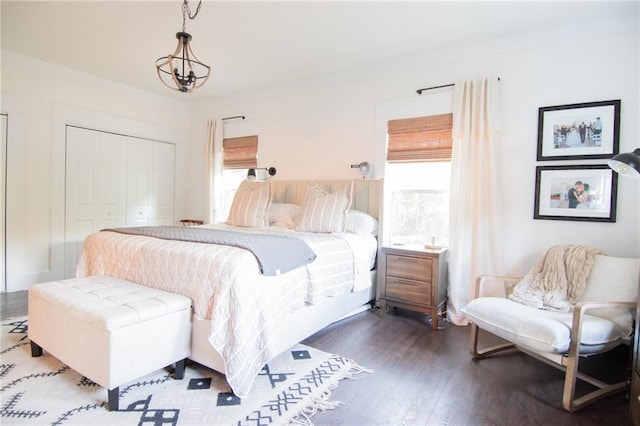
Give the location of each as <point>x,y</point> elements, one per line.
<point>191,222</point>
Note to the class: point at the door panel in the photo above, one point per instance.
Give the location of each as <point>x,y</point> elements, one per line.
<point>163,184</point>
<point>139,178</point>
<point>112,181</point>
<point>81,186</point>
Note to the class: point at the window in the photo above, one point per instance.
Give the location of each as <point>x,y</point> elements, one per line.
<point>420,138</point>
<point>418,174</point>
<point>231,180</point>
<point>240,154</point>
<point>419,212</point>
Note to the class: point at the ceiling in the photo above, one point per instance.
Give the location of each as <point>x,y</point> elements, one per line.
<point>255,45</point>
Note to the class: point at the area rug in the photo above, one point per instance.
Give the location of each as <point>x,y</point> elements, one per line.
<point>43,390</point>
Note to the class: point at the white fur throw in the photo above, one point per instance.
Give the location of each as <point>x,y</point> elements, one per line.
<point>558,279</point>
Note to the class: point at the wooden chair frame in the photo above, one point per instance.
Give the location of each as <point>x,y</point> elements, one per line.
<point>566,362</point>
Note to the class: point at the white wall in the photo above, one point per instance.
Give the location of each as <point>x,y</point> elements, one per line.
<point>317,129</point>
<point>40,99</point>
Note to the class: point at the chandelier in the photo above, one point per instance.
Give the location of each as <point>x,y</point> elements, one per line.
<point>182,70</point>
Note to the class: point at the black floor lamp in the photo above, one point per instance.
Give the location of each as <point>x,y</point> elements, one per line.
<point>627,164</point>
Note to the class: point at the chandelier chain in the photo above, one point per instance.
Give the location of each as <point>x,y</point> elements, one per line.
<point>186,11</point>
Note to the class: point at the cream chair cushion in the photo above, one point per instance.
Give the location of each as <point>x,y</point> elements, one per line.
<point>540,330</point>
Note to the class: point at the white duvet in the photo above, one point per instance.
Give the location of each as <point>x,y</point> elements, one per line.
<point>226,287</point>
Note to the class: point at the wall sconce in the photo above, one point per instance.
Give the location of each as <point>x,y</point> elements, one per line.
<point>363,168</point>
<point>251,173</point>
<point>627,164</point>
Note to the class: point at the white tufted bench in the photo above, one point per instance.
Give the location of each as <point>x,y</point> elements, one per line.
<point>110,330</point>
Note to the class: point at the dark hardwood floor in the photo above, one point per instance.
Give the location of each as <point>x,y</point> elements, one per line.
<point>422,377</point>
<point>13,304</point>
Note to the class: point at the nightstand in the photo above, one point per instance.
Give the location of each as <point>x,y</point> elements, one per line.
<point>413,278</point>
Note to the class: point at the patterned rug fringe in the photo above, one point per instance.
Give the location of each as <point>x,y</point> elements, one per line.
<point>323,401</point>
<point>355,368</point>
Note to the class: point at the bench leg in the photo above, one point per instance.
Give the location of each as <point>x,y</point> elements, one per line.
<point>179,370</point>
<point>113,398</point>
<point>36,350</point>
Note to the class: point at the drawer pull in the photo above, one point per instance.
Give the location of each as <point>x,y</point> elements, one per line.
<point>407,259</point>
<point>407,282</point>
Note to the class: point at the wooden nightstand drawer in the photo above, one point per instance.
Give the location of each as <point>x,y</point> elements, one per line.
<point>415,268</point>
<point>408,290</point>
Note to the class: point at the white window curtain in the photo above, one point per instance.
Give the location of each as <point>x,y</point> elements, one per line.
<point>214,166</point>
<point>476,206</point>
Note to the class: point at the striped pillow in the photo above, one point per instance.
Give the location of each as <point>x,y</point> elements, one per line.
<point>250,205</point>
<point>323,211</point>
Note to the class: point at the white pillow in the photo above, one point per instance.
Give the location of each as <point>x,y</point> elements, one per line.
<point>251,205</point>
<point>283,214</point>
<point>361,223</point>
<point>613,276</point>
<point>323,211</point>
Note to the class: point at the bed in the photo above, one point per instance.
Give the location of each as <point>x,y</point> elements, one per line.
<point>244,311</point>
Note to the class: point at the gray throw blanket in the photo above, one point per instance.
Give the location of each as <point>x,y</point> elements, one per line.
<point>276,254</point>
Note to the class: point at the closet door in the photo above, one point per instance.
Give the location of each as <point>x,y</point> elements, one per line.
<point>163,184</point>
<point>95,188</point>
<point>81,190</point>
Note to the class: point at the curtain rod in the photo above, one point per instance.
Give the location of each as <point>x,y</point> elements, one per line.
<point>235,116</point>
<point>419,91</point>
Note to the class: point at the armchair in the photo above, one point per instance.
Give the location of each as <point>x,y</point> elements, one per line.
<point>601,320</point>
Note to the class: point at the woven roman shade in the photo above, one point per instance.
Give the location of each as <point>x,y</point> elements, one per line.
<point>240,153</point>
<point>420,138</point>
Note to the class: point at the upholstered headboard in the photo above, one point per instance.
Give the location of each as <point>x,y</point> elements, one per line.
<point>367,193</point>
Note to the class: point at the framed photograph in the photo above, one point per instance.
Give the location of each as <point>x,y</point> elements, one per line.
<point>583,193</point>
<point>579,131</point>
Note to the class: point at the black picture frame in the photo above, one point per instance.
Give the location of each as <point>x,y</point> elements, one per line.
<point>553,200</point>
<point>581,131</point>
